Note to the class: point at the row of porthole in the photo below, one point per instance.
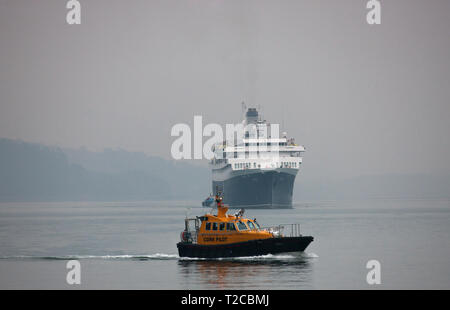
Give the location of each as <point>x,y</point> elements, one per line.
<point>245,165</point>
<point>249,165</point>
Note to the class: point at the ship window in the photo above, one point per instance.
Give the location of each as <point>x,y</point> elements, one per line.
<point>214,226</point>
<point>250,224</point>
<point>242,226</point>
<point>222,226</point>
<point>230,226</point>
<point>256,224</point>
<point>208,226</point>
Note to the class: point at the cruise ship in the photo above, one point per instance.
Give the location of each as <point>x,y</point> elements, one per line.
<point>258,168</point>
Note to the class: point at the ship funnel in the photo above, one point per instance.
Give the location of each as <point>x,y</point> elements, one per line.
<point>251,115</point>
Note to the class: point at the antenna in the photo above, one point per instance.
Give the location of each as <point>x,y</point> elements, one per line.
<point>188,211</point>
<point>243,107</point>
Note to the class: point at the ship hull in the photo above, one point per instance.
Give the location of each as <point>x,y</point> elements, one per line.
<point>247,248</point>
<point>271,189</point>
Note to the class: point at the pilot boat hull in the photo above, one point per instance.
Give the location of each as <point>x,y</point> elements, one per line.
<point>247,248</point>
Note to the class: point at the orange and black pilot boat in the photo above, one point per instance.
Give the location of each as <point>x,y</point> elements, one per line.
<point>225,235</point>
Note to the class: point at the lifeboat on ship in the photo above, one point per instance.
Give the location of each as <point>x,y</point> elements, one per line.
<point>225,235</point>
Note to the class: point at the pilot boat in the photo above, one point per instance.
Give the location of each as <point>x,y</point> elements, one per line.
<point>225,235</point>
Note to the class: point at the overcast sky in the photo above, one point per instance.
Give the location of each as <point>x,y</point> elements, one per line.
<point>362,99</point>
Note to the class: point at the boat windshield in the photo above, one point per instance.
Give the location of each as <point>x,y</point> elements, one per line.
<point>256,224</point>
<point>251,225</point>
<point>242,226</point>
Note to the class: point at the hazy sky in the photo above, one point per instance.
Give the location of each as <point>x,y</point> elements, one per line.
<point>362,99</point>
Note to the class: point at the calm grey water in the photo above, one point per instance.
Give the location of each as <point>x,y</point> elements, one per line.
<point>133,246</point>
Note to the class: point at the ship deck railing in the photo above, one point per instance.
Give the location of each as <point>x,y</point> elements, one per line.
<point>284,230</point>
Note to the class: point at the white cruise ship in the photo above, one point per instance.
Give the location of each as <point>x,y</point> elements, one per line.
<point>258,170</point>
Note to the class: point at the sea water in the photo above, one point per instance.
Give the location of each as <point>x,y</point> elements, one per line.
<point>133,246</point>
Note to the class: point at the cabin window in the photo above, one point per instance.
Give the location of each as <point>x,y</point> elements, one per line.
<point>250,225</point>
<point>208,226</point>
<point>222,226</point>
<point>214,226</point>
<point>242,226</point>
<point>230,226</point>
<point>256,224</point>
